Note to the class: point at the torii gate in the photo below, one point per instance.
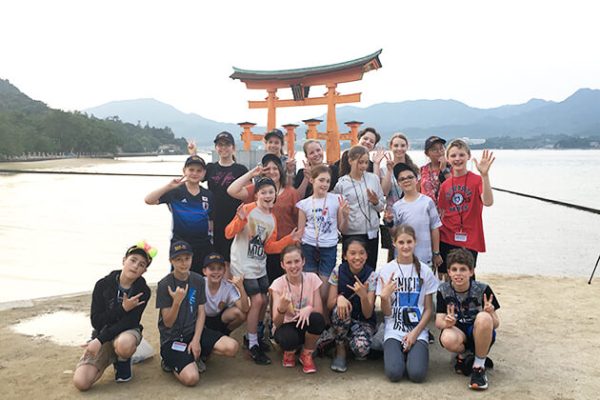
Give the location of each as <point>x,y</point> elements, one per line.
<point>300,81</point>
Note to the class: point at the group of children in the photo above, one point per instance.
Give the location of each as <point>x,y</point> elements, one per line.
<point>260,246</point>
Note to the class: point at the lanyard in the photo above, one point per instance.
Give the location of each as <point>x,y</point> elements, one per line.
<point>314,212</point>
<point>358,199</point>
<point>301,290</point>
<point>459,208</point>
<point>188,309</point>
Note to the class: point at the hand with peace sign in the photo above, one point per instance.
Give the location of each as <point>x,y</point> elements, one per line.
<point>131,303</point>
<point>359,288</point>
<point>387,288</point>
<point>290,166</point>
<point>483,166</point>
<point>450,317</point>
<point>344,206</point>
<point>373,199</point>
<point>256,171</point>
<point>307,169</point>
<point>389,163</point>
<point>192,148</point>
<point>488,307</point>
<point>178,294</point>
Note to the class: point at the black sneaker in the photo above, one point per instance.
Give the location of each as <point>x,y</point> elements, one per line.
<point>264,344</point>
<point>165,367</point>
<point>464,365</point>
<point>479,380</point>
<point>259,356</point>
<point>431,338</point>
<point>123,371</point>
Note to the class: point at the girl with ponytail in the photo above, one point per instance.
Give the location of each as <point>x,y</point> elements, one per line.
<point>406,287</point>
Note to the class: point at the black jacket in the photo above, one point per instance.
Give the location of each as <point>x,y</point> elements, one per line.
<point>107,314</point>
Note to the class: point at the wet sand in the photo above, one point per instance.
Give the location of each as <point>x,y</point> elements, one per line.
<point>547,348</point>
<point>58,164</point>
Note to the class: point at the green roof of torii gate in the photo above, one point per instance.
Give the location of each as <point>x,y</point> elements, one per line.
<point>299,73</point>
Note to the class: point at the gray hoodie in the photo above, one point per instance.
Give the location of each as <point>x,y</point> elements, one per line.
<point>364,216</point>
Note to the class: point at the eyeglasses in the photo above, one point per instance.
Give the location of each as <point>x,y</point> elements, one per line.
<point>406,178</point>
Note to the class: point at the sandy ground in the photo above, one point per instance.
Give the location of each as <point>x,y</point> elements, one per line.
<point>68,163</point>
<point>548,347</point>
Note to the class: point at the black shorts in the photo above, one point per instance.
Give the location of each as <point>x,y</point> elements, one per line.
<point>178,360</point>
<point>222,245</point>
<point>470,341</point>
<point>255,286</point>
<point>216,323</point>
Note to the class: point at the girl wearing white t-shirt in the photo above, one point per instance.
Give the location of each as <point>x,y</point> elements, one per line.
<point>320,216</point>
<point>406,288</point>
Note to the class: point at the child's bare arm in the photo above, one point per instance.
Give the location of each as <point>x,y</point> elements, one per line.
<point>483,166</point>
<point>153,197</point>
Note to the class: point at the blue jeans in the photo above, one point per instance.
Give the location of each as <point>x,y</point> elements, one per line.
<point>326,257</point>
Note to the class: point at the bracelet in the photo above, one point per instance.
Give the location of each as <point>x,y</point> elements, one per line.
<point>281,312</point>
<point>436,253</point>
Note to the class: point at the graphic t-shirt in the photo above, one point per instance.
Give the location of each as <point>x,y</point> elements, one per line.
<point>191,214</point>
<point>467,304</point>
<point>321,220</point>
<point>219,178</point>
<point>185,323</point>
<point>410,294</point>
<point>422,215</point>
<point>225,297</point>
<point>254,238</point>
<point>302,294</point>
<point>460,207</point>
<point>430,182</point>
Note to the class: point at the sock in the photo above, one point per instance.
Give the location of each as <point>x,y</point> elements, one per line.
<point>121,359</point>
<point>479,362</point>
<point>252,340</point>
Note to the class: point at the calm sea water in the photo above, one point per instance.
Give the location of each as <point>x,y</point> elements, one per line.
<point>61,233</point>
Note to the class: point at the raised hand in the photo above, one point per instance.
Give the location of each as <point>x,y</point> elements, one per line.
<point>389,163</point>
<point>296,235</point>
<point>450,317</point>
<point>359,288</point>
<point>241,212</point>
<point>290,166</point>
<point>387,288</point>
<point>307,169</point>
<point>285,300</point>
<point>483,166</point>
<point>344,307</point>
<point>237,281</point>
<point>442,162</point>
<point>131,303</point>
<point>488,307</point>
<point>191,147</point>
<point>256,171</point>
<point>178,181</point>
<point>344,206</point>
<point>379,155</point>
<point>178,294</point>
<point>388,215</point>
<point>372,197</point>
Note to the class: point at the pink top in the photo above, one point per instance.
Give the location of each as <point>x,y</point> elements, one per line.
<point>302,294</point>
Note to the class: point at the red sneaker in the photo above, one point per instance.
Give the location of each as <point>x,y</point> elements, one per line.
<point>308,364</point>
<point>289,359</point>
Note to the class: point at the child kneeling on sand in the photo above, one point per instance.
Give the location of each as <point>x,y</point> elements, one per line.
<point>226,300</point>
<point>118,301</point>
<point>297,310</point>
<point>183,337</point>
<point>466,314</point>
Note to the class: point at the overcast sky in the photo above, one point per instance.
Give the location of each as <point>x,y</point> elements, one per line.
<point>80,54</point>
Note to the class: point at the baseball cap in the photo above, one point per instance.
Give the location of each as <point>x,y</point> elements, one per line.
<point>275,132</point>
<point>225,136</point>
<point>433,140</point>
<point>264,181</point>
<point>213,258</point>
<point>195,160</point>
<point>180,247</point>
<point>402,167</point>
<point>143,249</point>
<point>267,158</point>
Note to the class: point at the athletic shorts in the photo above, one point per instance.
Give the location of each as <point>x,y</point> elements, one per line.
<point>255,286</point>
<point>106,356</point>
<point>216,323</point>
<point>178,360</point>
<point>470,342</point>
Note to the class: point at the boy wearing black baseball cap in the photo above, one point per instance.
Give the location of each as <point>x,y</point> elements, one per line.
<point>118,302</point>
<point>181,297</point>
<point>191,206</point>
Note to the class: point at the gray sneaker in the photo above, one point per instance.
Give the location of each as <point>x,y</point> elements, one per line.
<point>338,364</point>
<point>201,365</point>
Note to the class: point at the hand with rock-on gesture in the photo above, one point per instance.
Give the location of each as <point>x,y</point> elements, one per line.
<point>178,294</point>
<point>359,288</point>
<point>131,303</point>
<point>484,164</point>
<point>488,307</point>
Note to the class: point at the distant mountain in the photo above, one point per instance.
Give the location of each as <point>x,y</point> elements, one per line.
<point>13,100</point>
<point>157,113</point>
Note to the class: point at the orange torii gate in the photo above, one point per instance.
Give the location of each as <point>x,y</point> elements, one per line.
<point>300,81</point>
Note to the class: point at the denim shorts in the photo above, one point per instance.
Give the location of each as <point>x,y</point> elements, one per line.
<point>321,260</point>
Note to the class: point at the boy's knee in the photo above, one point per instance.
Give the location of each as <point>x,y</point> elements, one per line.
<point>81,383</point>
<point>238,315</point>
<point>230,347</point>
<point>189,376</point>
<point>484,321</point>
<point>451,341</point>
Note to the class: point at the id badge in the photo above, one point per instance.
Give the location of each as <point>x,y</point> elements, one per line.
<point>411,316</point>
<point>460,236</point>
<point>372,234</point>
<point>179,346</point>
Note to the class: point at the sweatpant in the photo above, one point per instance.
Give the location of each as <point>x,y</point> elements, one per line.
<point>289,337</point>
<point>414,363</point>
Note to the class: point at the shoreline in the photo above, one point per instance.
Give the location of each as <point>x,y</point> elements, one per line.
<point>547,347</point>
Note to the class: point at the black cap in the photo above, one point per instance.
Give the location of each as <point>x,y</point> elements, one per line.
<point>275,132</point>
<point>264,181</point>
<point>143,249</point>
<point>213,258</point>
<point>195,160</point>
<point>402,167</point>
<point>225,136</point>
<point>267,158</point>
<point>433,140</point>
<point>180,247</point>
